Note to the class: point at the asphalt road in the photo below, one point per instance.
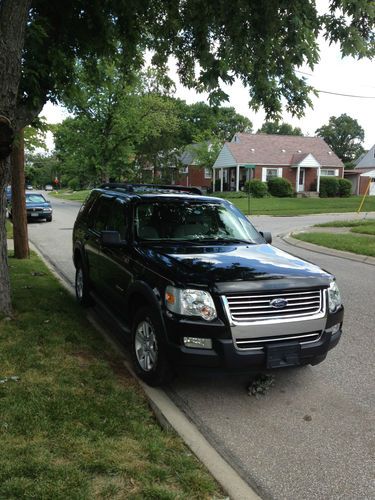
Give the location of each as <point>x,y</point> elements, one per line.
<point>312,435</point>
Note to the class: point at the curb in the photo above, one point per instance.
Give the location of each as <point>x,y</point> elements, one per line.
<point>365,259</point>
<point>170,417</point>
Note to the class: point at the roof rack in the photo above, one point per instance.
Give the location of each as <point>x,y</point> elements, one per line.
<point>133,188</point>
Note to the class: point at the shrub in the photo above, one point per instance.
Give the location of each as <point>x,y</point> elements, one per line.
<point>329,187</point>
<point>280,187</point>
<point>257,188</point>
<point>345,188</point>
<point>74,184</point>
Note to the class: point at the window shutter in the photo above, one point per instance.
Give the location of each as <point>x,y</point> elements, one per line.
<point>279,172</point>
<point>336,172</point>
<point>264,174</point>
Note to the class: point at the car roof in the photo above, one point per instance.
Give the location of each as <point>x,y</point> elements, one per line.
<point>160,196</point>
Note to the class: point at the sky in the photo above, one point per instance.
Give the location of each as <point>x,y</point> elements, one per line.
<point>332,74</point>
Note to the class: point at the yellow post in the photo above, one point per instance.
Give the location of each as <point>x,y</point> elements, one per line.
<point>364,196</point>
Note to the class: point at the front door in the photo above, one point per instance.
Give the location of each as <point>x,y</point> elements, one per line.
<point>301,180</point>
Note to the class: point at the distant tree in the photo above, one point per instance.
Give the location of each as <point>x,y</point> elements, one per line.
<point>199,120</point>
<point>275,127</point>
<point>345,136</point>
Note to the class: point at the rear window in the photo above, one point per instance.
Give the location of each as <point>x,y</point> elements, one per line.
<point>35,198</point>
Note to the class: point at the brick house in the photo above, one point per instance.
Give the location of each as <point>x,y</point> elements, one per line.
<point>301,160</point>
<point>192,175</point>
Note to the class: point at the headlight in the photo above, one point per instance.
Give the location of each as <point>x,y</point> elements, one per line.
<point>190,302</point>
<point>47,209</point>
<point>334,298</point>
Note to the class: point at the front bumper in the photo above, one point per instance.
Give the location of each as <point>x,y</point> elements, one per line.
<point>38,215</point>
<point>226,356</point>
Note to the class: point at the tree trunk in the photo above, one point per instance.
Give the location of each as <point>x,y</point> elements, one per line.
<point>19,218</point>
<point>13,18</point>
<point>5,301</point>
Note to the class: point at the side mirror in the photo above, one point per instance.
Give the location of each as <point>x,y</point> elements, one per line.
<point>267,236</point>
<point>110,239</point>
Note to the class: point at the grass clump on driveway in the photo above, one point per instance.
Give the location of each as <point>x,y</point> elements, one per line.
<point>73,423</point>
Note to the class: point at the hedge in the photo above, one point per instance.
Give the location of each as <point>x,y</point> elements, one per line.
<point>257,188</point>
<point>280,187</point>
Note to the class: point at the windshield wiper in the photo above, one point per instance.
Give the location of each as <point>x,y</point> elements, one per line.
<point>230,240</point>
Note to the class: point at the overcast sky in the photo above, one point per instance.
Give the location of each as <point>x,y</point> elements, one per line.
<point>331,74</point>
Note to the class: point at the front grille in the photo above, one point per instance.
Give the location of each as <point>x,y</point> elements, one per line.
<point>260,343</point>
<point>246,308</point>
<point>35,210</point>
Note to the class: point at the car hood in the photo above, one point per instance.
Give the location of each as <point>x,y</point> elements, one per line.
<point>235,264</point>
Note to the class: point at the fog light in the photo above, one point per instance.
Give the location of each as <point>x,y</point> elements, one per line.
<point>198,343</point>
<point>334,329</point>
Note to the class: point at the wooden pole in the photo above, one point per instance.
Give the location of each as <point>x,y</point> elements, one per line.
<point>364,196</point>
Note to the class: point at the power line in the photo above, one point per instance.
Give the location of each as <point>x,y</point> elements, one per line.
<point>346,95</point>
<point>337,93</point>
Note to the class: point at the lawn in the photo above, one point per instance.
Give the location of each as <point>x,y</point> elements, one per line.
<point>355,243</point>
<point>301,206</point>
<point>72,195</point>
<point>73,423</point>
<point>272,206</point>
<point>362,242</point>
<point>9,229</point>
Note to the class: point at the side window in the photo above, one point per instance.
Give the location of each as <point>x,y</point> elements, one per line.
<point>118,220</point>
<point>100,212</point>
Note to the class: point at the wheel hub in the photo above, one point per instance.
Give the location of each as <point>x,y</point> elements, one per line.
<point>145,344</point>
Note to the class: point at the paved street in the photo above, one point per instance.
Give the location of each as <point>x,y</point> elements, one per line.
<point>312,435</point>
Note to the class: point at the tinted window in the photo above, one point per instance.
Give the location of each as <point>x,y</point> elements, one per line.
<point>189,221</point>
<point>100,212</point>
<point>35,198</point>
<point>118,220</point>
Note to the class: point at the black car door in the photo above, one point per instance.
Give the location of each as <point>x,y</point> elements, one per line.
<point>116,274</point>
<point>97,222</point>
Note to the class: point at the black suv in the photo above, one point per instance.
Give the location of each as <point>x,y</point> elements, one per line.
<point>196,284</point>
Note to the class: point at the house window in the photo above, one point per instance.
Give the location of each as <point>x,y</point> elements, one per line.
<point>184,170</point>
<point>329,172</point>
<point>207,173</point>
<point>270,173</point>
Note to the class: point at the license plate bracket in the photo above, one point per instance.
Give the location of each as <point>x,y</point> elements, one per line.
<point>281,355</point>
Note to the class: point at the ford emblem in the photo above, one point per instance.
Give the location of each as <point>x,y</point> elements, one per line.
<point>278,303</point>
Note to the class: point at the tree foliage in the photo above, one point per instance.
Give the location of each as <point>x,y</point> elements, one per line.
<point>275,127</point>
<point>345,136</point>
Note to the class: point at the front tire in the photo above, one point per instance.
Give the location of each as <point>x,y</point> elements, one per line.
<point>149,349</point>
<point>82,287</point>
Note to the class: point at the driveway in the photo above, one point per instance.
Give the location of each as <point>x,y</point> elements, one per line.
<point>312,435</point>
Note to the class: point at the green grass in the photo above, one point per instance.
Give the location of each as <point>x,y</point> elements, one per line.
<point>347,223</point>
<point>272,206</point>
<point>355,243</point>
<point>72,195</point>
<point>9,229</point>
<point>75,424</point>
<point>302,206</point>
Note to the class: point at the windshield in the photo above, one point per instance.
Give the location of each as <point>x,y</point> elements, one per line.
<point>189,221</point>
<point>35,198</point>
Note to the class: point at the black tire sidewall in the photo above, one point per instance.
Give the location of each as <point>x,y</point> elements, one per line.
<point>162,372</point>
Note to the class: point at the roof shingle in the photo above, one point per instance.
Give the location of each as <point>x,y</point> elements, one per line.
<point>267,149</point>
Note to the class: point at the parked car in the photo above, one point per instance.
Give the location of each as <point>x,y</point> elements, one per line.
<point>37,207</point>
<point>8,193</point>
<point>29,187</point>
<point>194,283</point>
<point>48,187</point>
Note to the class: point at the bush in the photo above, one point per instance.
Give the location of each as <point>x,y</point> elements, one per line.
<point>257,188</point>
<point>345,188</point>
<point>280,187</point>
<point>74,184</point>
<point>329,187</point>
